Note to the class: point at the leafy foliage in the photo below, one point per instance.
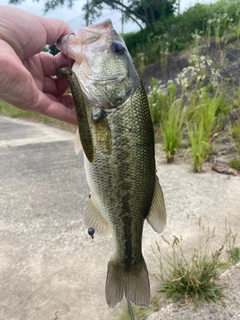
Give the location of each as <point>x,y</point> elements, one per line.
<point>91,12</point>
<point>146,11</point>
<point>210,20</point>
<point>141,12</point>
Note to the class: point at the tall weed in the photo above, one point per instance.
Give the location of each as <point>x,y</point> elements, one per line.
<point>171,129</point>
<point>235,132</point>
<point>199,144</point>
<point>191,278</point>
<point>204,116</point>
<point>205,110</point>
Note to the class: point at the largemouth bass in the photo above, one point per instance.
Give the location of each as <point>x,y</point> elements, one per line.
<point>121,173</point>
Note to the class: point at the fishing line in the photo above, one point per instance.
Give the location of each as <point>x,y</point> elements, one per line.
<point>67,50</point>
<point>130,309</point>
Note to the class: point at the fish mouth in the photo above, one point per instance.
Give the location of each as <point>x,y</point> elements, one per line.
<point>91,34</point>
<point>85,36</point>
<point>76,45</point>
<point>62,43</point>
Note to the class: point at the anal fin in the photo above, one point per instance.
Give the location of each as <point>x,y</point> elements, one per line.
<point>93,218</point>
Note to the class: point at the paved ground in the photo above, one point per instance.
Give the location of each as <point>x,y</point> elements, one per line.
<point>50,269</point>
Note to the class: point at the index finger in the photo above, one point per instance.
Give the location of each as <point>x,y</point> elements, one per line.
<point>50,63</point>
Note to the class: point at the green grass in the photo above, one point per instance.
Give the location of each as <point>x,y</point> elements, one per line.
<point>200,113</point>
<point>235,255</point>
<point>191,279</point>
<point>12,112</point>
<point>171,130</point>
<point>168,114</point>
<point>199,145</point>
<point>202,108</point>
<point>203,123</point>
<point>139,312</point>
<point>219,21</point>
<point>235,163</point>
<point>233,250</point>
<point>235,133</point>
<point>208,108</point>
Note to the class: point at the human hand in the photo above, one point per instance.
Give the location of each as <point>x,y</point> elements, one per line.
<point>26,73</point>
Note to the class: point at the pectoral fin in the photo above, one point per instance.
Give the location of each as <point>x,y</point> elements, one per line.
<point>102,132</point>
<point>93,218</point>
<point>157,213</point>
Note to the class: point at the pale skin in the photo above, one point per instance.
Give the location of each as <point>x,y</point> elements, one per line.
<point>27,75</point>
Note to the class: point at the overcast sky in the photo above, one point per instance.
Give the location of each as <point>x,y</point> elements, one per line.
<point>74,16</point>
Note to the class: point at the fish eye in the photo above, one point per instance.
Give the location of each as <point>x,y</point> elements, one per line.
<point>118,48</point>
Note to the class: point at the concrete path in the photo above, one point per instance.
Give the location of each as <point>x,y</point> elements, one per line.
<point>50,269</point>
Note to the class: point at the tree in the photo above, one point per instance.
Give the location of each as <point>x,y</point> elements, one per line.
<point>142,12</point>
<point>91,12</point>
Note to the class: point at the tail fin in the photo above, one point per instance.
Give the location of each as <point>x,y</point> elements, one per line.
<point>134,284</point>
